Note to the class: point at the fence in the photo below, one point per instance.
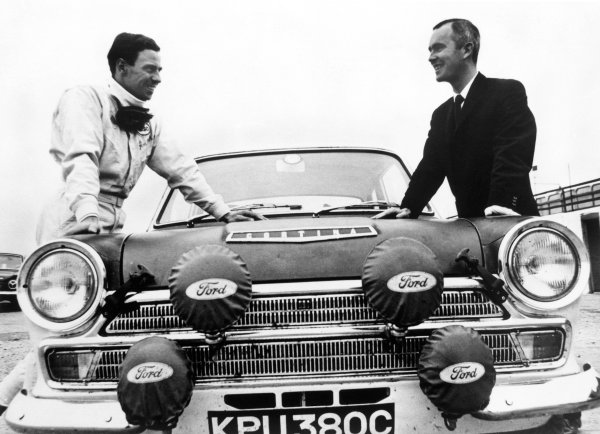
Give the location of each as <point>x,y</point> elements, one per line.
<point>572,198</point>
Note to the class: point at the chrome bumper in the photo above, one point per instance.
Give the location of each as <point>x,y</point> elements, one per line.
<point>561,395</point>
<point>37,415</point>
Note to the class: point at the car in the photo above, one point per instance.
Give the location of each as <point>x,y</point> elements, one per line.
<point>318,319</point>
<point>9,267</point>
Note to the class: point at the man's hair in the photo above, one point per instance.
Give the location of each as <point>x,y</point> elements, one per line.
<point>127,46</point>
<point>464,32</point>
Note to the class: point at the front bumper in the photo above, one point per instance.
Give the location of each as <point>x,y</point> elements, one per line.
<point>562,395</point>
<point>511,407</point>
<point>37,415</point>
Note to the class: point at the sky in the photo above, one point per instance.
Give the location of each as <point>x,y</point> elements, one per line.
<point>255,74</point>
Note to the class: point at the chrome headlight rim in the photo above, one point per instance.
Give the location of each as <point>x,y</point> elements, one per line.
<point>90,256</point>
<point>511,267</point>
<point>508,245</point>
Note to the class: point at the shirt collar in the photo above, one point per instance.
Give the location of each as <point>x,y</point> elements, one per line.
<point>124,97</point>
<point>465,92</point>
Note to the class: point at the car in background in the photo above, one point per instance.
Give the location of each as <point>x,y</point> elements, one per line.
<point>319,319</point>
<point>10,264</point>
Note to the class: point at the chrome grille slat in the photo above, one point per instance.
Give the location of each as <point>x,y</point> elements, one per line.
<point>504,351</point>
<point>370,356</point>
<point>295,311</point>
<point>108,366</point>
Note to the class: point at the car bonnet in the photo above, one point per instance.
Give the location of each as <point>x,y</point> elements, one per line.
<point>300,249</point>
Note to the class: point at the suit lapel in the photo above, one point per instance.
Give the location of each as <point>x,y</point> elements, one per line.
<point>476,92</point>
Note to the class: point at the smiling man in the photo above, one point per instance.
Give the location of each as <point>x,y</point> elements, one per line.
<point>482,139</point>
<point>104,136</point>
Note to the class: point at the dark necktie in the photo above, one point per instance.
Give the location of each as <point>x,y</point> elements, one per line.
<point>458,100</point>
<point>131,119</point>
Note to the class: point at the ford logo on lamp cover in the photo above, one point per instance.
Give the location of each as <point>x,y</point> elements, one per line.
<point>155,383</point>
<point>462,373</point>
<point>211,289</point>
<point>402,281</point>
<point>150,372</point>
<point>411,281</point>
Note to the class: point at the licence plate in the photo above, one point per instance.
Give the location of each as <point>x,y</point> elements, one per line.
<point>352,419</point>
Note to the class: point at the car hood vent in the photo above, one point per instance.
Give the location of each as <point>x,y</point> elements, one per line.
<point>301,235</point>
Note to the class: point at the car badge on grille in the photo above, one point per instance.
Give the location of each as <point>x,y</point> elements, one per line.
<point>462,373</point>
<point>301,235</point>
<point>12,284</point>
<point>149,372</point>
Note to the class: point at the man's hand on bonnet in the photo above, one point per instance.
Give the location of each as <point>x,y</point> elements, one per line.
<point>242,215</point>
<point>88,225</point>
<point>390,213</point>
<point>499,210</point>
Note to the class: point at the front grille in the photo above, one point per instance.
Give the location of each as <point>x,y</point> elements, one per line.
<point>339,356</point>
<point>367,356</point>
<point>296,311</point>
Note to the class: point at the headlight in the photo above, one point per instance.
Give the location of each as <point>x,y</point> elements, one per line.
<point>545,264</point>
<point>60,285</point>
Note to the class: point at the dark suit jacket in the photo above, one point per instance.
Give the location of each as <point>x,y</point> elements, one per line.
<point>486,158</point>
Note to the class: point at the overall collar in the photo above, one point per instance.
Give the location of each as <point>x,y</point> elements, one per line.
<point>131,115</point>
<point>124,97</point>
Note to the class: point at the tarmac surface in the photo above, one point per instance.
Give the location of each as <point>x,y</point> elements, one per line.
<point>14,344</point>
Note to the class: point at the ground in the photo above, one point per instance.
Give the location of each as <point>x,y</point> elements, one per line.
<point>14,345</point>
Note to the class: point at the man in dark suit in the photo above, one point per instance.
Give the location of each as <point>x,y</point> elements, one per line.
<point>482,139</point>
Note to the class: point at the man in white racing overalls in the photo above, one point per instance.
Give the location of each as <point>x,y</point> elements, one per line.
<point>103,137</point>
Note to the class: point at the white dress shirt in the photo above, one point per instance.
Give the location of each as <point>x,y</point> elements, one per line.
<point>465,92</point>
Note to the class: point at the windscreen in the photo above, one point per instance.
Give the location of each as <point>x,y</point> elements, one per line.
<point>296,182</point>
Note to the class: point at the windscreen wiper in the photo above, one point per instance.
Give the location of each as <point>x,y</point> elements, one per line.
<point>375,205</point>
<point>198,218</point>
<point>267,205</point>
